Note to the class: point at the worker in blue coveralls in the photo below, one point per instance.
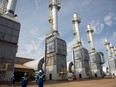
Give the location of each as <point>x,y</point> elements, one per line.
<point>24,80</point>
<point>40,78</point>
<point>13,80</point>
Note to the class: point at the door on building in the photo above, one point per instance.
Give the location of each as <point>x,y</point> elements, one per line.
<point>80,76</point>
<point>50,76</point>
<point>18,76</point>
<point>95,75</point>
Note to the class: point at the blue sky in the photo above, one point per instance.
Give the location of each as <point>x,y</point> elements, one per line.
<point>33,16</point>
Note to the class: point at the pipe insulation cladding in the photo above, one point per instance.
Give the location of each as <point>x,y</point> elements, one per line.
<point>89,34</point>
<point>55,18</point>
<point>11,7</point>
<point>107,47</point>
<point>54,7</point>
<point>115,51</point>
<point>76,21</point>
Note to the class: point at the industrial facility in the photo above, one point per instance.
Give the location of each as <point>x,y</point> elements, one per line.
<point>86,63</point>
<point>80,54</point>
<point>111,59</point>
<point>9,35</point>
<point>96,58</point>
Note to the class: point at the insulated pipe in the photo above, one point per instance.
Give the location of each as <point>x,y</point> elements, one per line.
<point>112,50</point>
<point>11,7</point>
<point>107,47</point>
<point>55,18</point>
<point>115,51</point>
<point>54,7</point>
<point>90,38</point>
<point>75,22</point>
<point>3,6</point>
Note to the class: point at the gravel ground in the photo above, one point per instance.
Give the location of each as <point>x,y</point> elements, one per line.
<point>82,83</point>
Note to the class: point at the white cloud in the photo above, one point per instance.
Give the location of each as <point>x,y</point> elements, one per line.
<point>109,19</point>
<point>114,38</point>
<point>37,3</point>
<point>114,35</point>
<point>97,26</point>
<point>34,49</point>
<point>85,2</point>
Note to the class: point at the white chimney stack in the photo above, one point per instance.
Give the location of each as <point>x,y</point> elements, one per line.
<point>90,38</point>
<point>111,50</point>
<point>115,51</point>
<point>11,8</point>
<point>107,44</point>
<point>54,7</point>
<point>75,23</point>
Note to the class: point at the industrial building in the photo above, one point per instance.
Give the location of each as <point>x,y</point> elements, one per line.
<point>55,47</point>
<point>9,35</point>
<point>37,64</point>
<point>20,68</point>
<point>111,60</point>
<point>54,64</point>
<point>96,58</point>
<point>80,54</point>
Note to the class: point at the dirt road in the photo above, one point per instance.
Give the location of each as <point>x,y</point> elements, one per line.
<point>83,83</point>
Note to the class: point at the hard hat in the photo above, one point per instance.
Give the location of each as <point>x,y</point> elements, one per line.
<point>40,71</point>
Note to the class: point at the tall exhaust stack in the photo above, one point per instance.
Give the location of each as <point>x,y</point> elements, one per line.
<point>90,38</point>
<point>75,23</point>
<point>3,6</point>
<point>54,7</point>
<point>111,58</point>
<point>80,54</point>
<point>11,8</point>
<point>115,51</point>
<point>112,50</point>
<point>107,44</point>
<point>55,47</point>
<point>96,58</point>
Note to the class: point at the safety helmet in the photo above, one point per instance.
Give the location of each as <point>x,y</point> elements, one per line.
<point>40,71</point>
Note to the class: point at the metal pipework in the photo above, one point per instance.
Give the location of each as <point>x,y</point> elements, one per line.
<point>54,6</point>
<point>11,8</point>
<point>115,51</point>
<point>107,44</point>
<point>112,50</point>
<point>3,6</point>
<point>89,35</point>
<point>75,23</point>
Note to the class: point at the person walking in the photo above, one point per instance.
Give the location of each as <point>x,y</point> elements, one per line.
<point>13,80</point>
<point>24,80</point>
<point>40,78</point>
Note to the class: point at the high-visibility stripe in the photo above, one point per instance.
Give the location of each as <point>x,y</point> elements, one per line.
<point>41,77</point>
<point>24,78</point>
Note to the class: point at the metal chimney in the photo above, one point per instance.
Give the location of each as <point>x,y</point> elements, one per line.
<point>3,6</point>
<point>111,50</point>
<point>54,6</point>
<point>11,8</point>
<point>89,35</point>
<point>107,44</point>
<point>115,51</point>
<point>75,23</point>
